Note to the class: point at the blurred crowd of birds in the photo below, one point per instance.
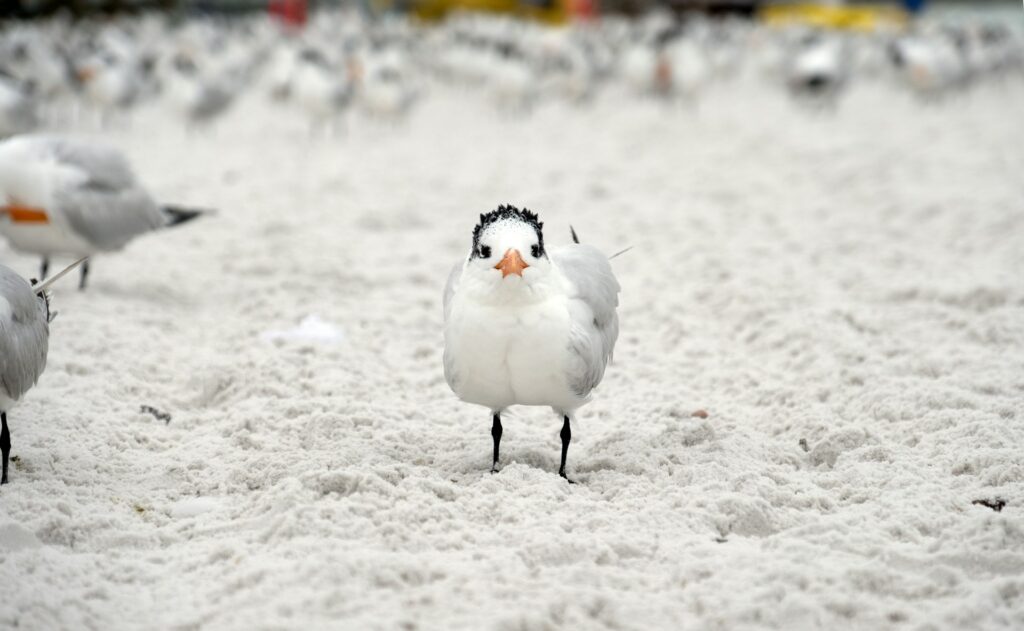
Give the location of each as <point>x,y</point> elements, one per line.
<point>56,70</point>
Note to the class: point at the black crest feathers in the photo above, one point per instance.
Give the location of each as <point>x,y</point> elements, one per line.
<point>508,212</point>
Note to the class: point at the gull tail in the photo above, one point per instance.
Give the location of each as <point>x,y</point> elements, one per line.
<point>46,284</point>
<point>177,215</point>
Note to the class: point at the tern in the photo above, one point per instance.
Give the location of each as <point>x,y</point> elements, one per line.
<point>24,340</point>
<point>320,88</point>
<point>110,81</point>
<point>61,196</point>
<point>527,327</point>
<point>818,69</point>
<point>197,96</point>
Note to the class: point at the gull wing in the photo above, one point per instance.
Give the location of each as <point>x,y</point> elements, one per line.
<point>108,218</point>
<point>103,166</point>
<point>108,207</point>
<point>593,299</point>
<point>24,335</point>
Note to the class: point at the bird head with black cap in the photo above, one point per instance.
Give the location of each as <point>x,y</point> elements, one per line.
<point>508,251</point>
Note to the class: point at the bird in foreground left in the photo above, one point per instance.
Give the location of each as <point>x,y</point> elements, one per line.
<point>64,196</point>
<point>524,326</point>
<point>25,318</point>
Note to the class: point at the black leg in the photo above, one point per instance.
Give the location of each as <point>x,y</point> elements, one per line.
<point>566,437</point>
<point>5,445</point>
<point>85,274</point>
<point>45,268</point>
<point>496,435</point>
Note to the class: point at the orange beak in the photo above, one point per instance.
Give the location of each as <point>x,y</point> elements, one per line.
<point>24,214</point>
<point>85,74</point>
<point>512,264</point>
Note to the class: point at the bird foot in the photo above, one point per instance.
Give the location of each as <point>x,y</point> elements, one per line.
<point>494,469</point>
<point>566,478</point>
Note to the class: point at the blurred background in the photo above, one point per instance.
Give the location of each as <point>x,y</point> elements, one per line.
<point>96,60</point>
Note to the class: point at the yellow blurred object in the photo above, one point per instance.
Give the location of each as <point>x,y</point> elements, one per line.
<point>858,18</point>
<point>556,13</point>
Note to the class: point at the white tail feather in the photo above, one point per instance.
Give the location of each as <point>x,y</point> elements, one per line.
<point>46,284</point>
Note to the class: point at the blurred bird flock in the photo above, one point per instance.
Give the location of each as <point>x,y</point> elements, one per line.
<point>347,63</point>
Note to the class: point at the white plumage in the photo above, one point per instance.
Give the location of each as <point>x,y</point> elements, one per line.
<point>524,327</point>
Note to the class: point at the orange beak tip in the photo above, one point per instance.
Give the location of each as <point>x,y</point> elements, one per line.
<point>512,263</point>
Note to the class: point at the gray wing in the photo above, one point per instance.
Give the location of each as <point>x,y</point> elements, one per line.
<point>449,293</point>
<point>593,299</point>
<point>109,219</point>
<point>24,335</point>
<point>108,208</point>
<point>105,167</point>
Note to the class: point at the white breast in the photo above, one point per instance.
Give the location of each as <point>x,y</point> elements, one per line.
<point>504,355</point>
<point>45,239</point>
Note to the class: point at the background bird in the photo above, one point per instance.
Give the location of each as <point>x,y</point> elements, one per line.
<point>525,327</point>
<point>110,80</point>
<point>197,96</point>
<point>818,68</point>
<point>24,341</point>
<point>63,196</point>
<point>18,108</point>
<point>321,88</point>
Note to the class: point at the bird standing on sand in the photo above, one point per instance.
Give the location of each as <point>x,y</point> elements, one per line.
<point>60,196</point>
<point>24,340</point>
<point>527,327</point>
<point>321,89</point>
<point>818,69</point>
<point>198,96</point>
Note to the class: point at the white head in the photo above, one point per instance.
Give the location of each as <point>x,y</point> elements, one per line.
<point>508,252</point>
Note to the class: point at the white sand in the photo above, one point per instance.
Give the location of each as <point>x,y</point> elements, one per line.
<point>854,280</point>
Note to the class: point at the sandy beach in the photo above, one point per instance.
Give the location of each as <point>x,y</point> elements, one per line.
<point>840,291</point>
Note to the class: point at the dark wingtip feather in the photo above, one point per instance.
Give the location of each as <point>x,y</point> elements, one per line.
<point>575,239</point>
<point>177,215</point>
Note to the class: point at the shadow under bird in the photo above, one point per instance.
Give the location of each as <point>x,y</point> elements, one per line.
<point>527,327</point>
<point>62,196</point>
<point>24,341</point>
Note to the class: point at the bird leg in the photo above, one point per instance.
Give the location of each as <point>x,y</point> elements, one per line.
<point>566,437</point>
<point>5,445</point>
<point>85,274</point>
<point>45,269</point>
<point>496,435</point>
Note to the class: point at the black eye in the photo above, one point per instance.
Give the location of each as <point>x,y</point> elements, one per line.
<point>485,252</point>
<point>535,250</point>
